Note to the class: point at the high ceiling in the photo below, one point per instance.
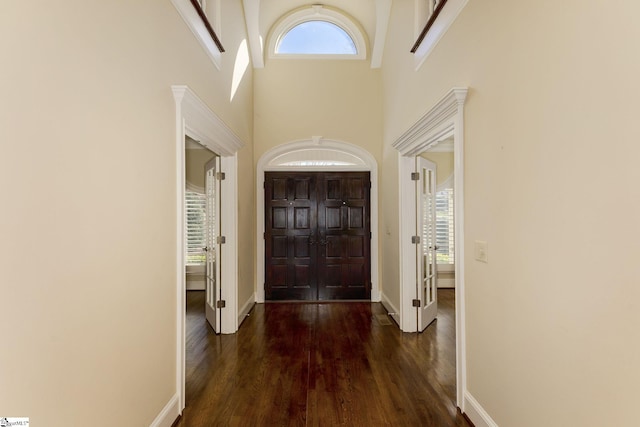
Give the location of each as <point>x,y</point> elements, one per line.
<point>371,15</point>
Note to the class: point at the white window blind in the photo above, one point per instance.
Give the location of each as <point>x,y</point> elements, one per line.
<point>444,226</point>
<point>195,205</point>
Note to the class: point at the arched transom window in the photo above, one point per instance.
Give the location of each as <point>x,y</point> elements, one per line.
<point>317,32</point>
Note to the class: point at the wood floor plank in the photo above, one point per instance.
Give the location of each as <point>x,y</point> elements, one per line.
<point>320,364</point>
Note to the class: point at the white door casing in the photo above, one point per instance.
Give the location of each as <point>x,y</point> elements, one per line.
<point>213,249</point>
<point>427,274</point>
<point>196,120</point>
<point>316,154</point>
<point>444,120</point>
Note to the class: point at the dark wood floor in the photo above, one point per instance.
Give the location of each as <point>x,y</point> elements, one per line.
<point>320,365</point>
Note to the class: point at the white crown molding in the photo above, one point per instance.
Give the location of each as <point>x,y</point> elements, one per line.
<point>434,126</point>
<point>197,27</point>
<point>204,126</point>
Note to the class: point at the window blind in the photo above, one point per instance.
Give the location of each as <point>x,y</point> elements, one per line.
<point>195,207</point>
<point>445,227</point>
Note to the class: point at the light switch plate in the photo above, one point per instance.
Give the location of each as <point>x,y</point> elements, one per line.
<point>481,251</point>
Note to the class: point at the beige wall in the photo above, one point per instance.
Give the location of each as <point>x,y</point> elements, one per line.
<point>195,160</point>
<point>552,336</point>
<point>444,165</point>
<point>87,130</point>
<point>298,99</point>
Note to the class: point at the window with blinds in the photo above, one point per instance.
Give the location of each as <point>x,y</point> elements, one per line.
<point>195,206</point>
<point>444,226</point>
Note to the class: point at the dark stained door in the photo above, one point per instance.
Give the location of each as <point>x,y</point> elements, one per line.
<point>290,236</point>
<point>317,235</point>
<point>343,228</point>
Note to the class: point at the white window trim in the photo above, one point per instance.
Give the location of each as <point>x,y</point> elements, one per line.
<point>317,13</point>
<point>449,13</point>
<point>197,27</point>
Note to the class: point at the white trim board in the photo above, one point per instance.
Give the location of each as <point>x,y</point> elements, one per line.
<point>444,120</point>
<point>391,309</point>
<point>196,120</point>
<point>168,415</point>
<point>476,413</point>
<point>243,312</point>
<point>200,32</point>
<point>449,13</point>
<point>364,161</point>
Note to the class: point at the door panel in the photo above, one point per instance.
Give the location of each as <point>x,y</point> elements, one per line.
<point>290,224</point>
<point>317,235</point>
<point>426,249</point>
<point>344,230</point>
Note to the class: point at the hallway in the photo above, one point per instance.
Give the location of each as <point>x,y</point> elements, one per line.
<point>320,365</point>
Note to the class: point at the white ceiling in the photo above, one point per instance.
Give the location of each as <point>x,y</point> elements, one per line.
<point>371,15</point>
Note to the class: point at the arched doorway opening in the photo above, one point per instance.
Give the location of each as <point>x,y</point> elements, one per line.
<point>321,155</point>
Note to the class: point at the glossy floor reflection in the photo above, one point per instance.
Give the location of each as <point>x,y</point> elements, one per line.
<point>320,365</point>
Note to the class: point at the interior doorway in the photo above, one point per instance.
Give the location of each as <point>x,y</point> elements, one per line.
<point>445,120</point>
<point>196,120</point>
<point>317,236</point>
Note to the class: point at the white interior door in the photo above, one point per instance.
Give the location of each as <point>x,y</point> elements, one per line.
<point>212,269</point>
<point>426,286</point>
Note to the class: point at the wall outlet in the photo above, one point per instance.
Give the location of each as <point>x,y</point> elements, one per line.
<point>481,252</point>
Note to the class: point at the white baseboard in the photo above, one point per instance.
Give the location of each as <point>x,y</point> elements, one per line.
<point>393,311</point>
<point>446,283</point>
<point>245,309</point>
<point>195,285</point>
<point>168,415</point>
<point>476,413</point>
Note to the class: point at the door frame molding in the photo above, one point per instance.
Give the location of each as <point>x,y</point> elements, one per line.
<point>444,120</point>
<point>196,120</point>
<point>289,157</point>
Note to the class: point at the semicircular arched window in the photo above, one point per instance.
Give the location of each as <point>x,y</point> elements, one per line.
<point>317,32</point>
<point>316,38</point>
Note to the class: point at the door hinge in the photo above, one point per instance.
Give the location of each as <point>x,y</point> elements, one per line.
<point>221,303</point>
<point>415,239</point>
<point>221,176</point>
<point>415,302</point>
<point>221,239</point>
<point>415,176</point>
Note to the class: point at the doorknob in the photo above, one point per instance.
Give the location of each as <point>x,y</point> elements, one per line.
<point>206,249</point>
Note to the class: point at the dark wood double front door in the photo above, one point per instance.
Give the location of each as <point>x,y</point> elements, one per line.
<point>317,235</point>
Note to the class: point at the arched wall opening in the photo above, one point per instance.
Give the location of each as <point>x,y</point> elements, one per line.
<point>316,154</point>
